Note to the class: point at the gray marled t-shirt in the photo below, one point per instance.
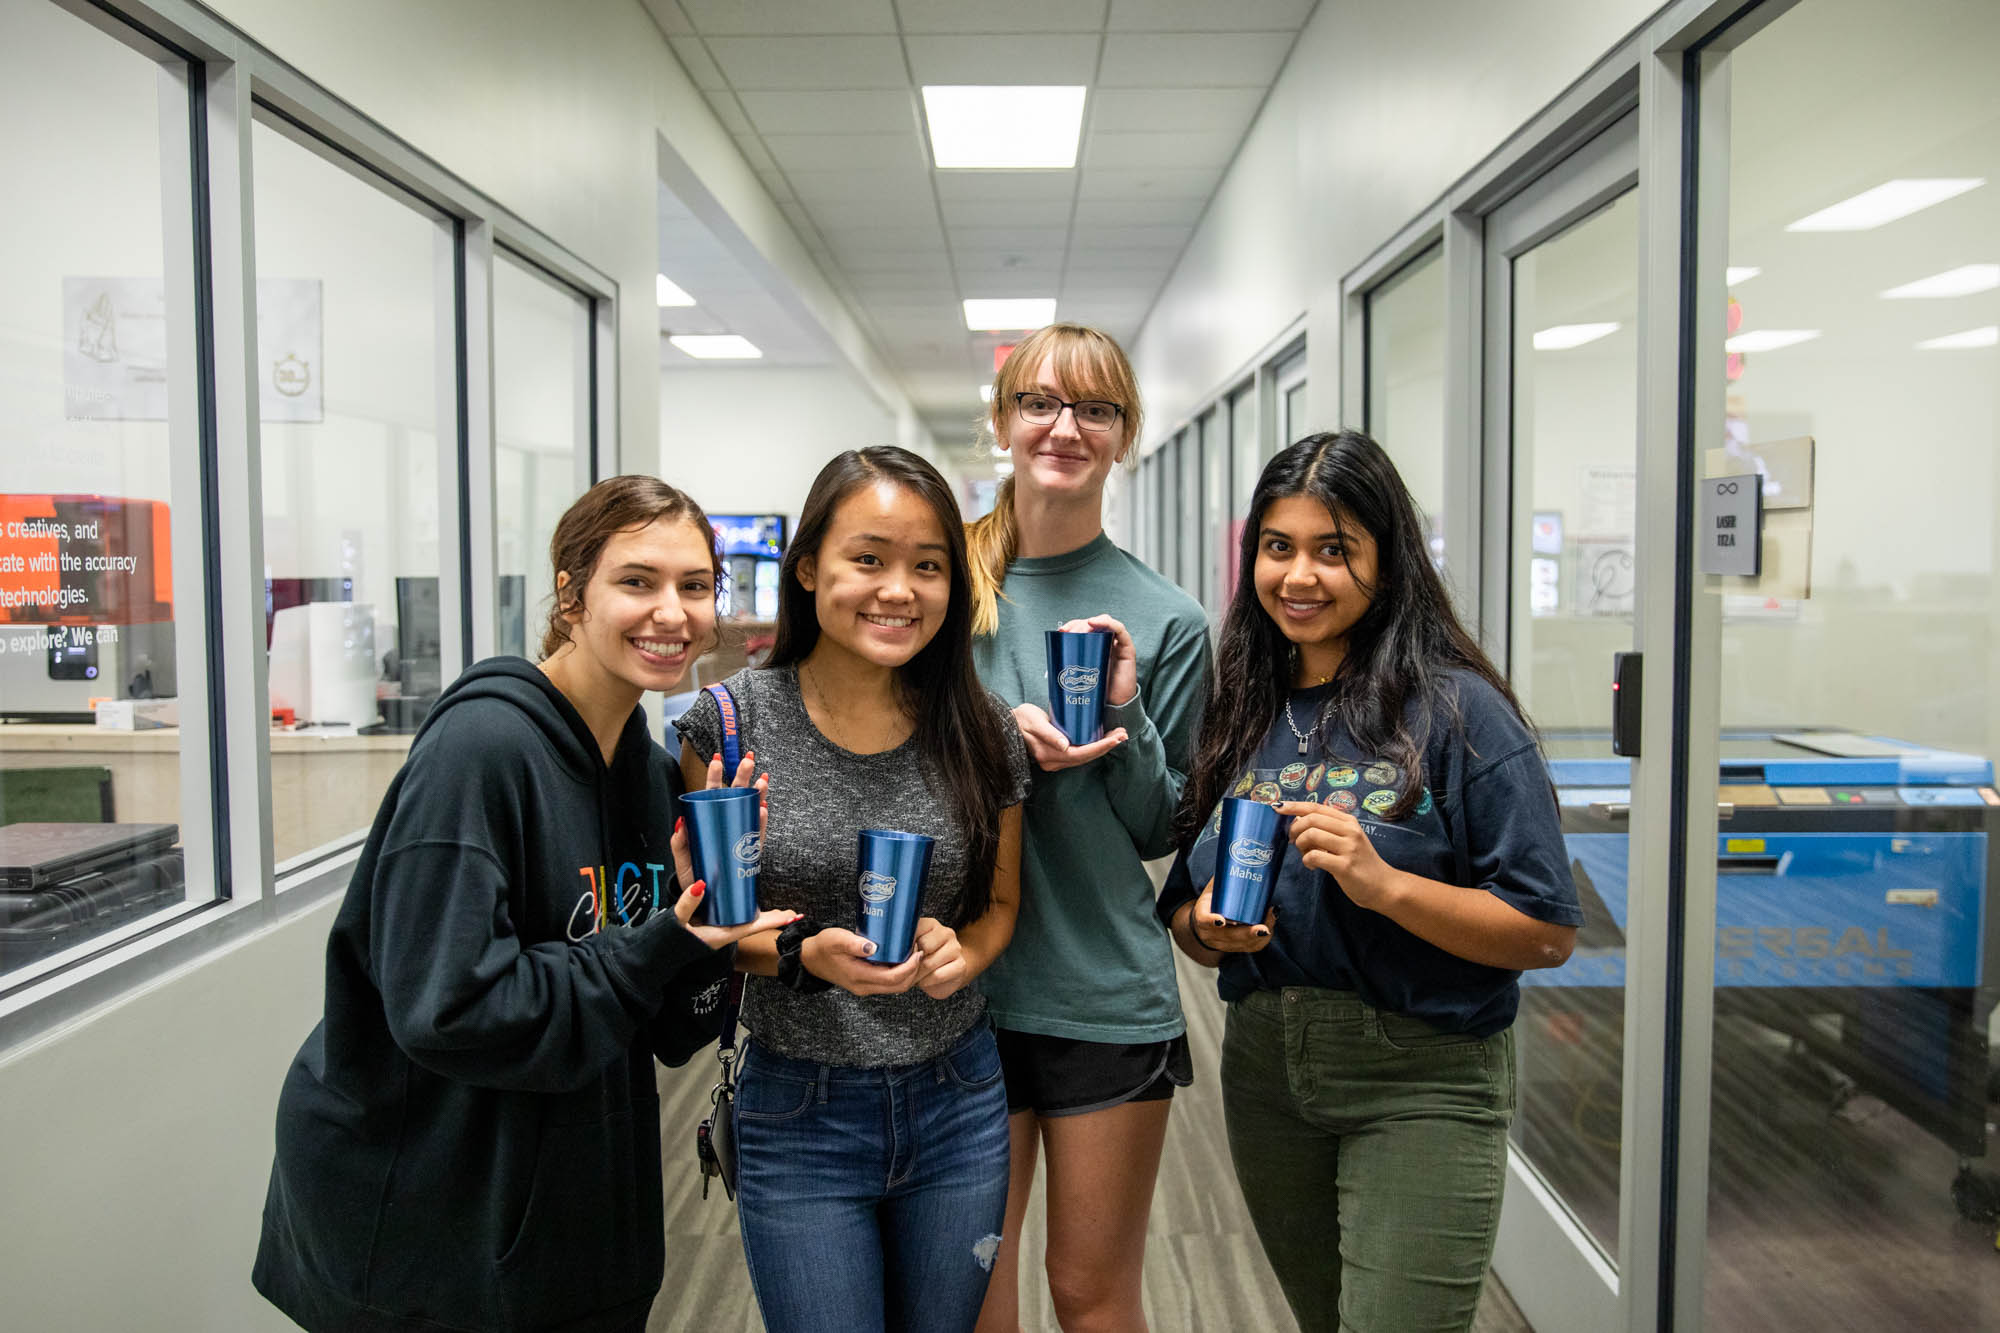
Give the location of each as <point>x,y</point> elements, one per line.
<point>821,797</point>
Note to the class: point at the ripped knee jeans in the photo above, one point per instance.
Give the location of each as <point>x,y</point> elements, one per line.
<point>872,1198</point>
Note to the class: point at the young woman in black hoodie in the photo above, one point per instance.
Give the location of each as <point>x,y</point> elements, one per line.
<point>470,1138</point>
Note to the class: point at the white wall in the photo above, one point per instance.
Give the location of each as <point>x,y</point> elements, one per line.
<point>1380,108</point>
<point>750,439</point>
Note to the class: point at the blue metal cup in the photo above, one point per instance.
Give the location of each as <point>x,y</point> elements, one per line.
<point>727,851</point>
<point>1077,669</point>
<point>1250,847</point>
<point>893,867</point>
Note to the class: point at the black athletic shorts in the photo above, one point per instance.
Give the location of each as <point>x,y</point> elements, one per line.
<point>1056,1076</point>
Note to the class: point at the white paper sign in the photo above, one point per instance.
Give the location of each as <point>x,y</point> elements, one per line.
<point>115,349</point>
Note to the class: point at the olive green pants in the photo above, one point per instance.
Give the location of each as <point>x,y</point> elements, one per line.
<point>1372,1151</point>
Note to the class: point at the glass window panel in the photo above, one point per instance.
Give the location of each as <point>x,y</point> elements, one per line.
<point>1187,514</point>
<point>1246,465</point>
<point>89,515</point>
<point>1854,981</point>
<point>347,341</point>
<point>541,393</point>
<point>1215,511</point>
<point>1574,452</point>
<point>1405,354</point>
<point>1169,456</point>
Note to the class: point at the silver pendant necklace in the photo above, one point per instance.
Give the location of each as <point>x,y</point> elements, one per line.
<point>1331,707</point>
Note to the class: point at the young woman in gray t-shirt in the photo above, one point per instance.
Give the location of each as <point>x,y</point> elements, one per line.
<point>870,1117</point>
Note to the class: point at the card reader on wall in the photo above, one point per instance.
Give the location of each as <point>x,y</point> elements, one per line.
<point>1625,696</point>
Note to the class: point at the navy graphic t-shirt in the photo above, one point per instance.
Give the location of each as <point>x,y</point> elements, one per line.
<point>1485,818</point>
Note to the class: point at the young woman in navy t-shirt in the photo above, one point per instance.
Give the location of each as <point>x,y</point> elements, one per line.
<point>1368,1058</point>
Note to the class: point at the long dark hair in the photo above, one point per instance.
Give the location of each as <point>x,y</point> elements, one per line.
<point>958,733</point>
<point>1400,650</point>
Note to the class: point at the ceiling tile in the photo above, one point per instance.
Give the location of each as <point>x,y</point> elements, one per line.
<point>889,239</point>
<point>1045,240</point>
<point>1151,110</point>
<point>1183,148</point>
<point>812,62</point>
<point>724,104</point>
<point>848,212</point>
<point>1044,58</point>
<point>1092,214</point>
<point>783,17</point>
<point>1140,185</point>
<point>1218,60</point>
<point>695,60</point>
<point>668,15</point>
<point>755,153</point>
<point>842,152</point>
<point>1004,212</point>
<point>1134,238</point>
<point>988,282</point>
<point>929,16</point>
<point>1132,259</point>
<point>968,186</point>
<point>1205,15</point>
<point>891,189</point>
<point>869,111</point>
<point>885,267</point>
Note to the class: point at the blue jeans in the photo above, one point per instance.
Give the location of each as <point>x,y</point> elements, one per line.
<point>872,1198</point>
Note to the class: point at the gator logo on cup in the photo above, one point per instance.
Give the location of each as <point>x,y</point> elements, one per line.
<point>877,887</point>
<point>1249,855</point>
<point>1077,682</point>
<point>749,852</point>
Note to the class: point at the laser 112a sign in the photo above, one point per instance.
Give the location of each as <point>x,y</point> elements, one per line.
<point>1732,525</point>
<point>84,560</point>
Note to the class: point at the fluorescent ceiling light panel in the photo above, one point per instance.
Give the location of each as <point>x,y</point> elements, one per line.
<point>976,128</point>
<point>1989,336</point>
<point>1953,282</point>
<point>1565,336</point>
<point>987,316</point>
<point>1886,202</point>
<point>667,294</point>
<point>1742,273</point>
<point>716,346</point>
<point>1769,340</point>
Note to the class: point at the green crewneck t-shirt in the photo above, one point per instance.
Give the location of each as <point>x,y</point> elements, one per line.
<point>1088,959</point>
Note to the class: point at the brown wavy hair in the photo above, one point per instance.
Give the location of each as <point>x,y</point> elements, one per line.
<point>1088,364</point>
<point>614,505</point>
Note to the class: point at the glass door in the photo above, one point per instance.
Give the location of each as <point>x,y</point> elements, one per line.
<point>1557,602</point>
<point>1850,279</point>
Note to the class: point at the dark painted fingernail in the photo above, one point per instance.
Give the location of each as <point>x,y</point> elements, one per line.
<point>1261,932</point>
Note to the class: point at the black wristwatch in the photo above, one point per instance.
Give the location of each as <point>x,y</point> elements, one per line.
<point>792,973</point>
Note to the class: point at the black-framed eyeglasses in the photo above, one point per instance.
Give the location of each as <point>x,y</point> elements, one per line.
<point>1041,409</point>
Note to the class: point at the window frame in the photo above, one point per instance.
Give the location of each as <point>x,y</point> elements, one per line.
<point>222,80</point>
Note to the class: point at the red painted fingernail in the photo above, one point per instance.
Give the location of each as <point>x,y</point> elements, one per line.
<point>751,756</point>
<point>696,889</point>
<point>717,759</point>
<point>680,825</point>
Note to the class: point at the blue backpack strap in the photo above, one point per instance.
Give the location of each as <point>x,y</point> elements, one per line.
<point>732,748</point>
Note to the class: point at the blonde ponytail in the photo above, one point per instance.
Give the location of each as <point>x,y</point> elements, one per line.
<point>990,546</point>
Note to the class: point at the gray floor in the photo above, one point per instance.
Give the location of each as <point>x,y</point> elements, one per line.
<point>1204,1270</point>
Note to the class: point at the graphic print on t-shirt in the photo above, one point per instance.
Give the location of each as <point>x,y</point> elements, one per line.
<point>1366,789</point>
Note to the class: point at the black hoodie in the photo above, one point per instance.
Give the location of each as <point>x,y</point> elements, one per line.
<point>470,1138</point>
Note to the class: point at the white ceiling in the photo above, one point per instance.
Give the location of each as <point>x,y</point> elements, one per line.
<point>822,98</point>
